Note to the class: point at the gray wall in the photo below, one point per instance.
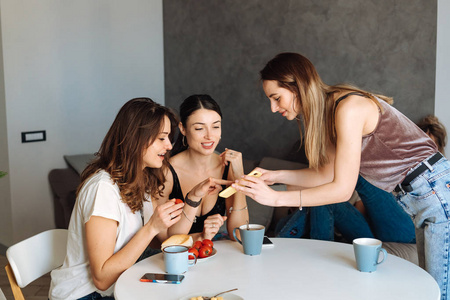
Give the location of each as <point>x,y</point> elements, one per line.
<point>218,47</point>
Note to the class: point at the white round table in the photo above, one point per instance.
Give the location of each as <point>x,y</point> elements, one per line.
<point>292,269</point>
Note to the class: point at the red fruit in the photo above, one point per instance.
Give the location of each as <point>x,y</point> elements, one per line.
<point>197,245</point>
<point>207,242</point>
<point>193,251</point>
<point>205,251</point>
<point>178,201</point>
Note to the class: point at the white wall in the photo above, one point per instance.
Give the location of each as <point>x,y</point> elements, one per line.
<point>442,97</point>
<point>68,67</point>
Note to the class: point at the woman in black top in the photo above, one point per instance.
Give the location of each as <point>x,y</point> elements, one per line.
<point>193,160</point>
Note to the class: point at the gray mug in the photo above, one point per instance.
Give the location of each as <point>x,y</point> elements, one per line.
<point>367,254</point>
<point>251,238</point>
<point>176,259</point>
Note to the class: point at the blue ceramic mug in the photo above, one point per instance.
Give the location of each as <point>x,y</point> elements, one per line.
<point>251,238</point>
<point>176,259</point>
<point>367,254</point>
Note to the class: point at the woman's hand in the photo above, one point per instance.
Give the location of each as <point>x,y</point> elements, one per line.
<point>267,176</point>
<point>212,225</point>
<point>235,158</point>
<point>257,189</point>
<point>164,216</point>
<point>207,187</point>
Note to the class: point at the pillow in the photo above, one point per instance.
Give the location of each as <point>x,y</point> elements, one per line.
<point>79,162</point>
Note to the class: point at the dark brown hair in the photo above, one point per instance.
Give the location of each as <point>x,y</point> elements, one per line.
<point>431,126</point>
<point>136,126</point>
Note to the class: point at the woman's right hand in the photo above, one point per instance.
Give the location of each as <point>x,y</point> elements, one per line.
<point>207,187</point>
<point>164,216</point>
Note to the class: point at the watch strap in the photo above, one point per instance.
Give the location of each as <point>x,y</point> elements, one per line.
<point>192,203</point>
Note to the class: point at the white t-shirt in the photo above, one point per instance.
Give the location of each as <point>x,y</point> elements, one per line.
<point>99,196</point>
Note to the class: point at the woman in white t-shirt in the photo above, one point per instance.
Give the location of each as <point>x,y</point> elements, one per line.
<point>114,218</point>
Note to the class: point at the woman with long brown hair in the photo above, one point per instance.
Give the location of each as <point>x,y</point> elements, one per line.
<point>115,216</point>
<point>349,131</point>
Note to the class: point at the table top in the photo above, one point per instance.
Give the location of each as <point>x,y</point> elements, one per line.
<point>296,268</point>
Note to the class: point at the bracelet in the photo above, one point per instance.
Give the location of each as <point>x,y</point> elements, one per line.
<point>300,207</point>
<point>192,203</point>
<point>195,218</point>
<point>231,208</point>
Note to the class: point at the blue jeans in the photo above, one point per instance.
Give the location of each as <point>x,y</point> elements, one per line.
<point>321,222</point>
<point>428,206</point>
<point>386,219</point>
<point>95,296</point>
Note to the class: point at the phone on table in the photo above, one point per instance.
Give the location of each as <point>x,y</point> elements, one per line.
<point>267,242</point>
<point>162,278</point>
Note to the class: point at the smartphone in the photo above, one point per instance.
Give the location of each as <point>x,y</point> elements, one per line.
<point>162,278</point>
<point>267,243</point>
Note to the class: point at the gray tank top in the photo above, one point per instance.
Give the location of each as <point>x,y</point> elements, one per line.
<point>393,148</point>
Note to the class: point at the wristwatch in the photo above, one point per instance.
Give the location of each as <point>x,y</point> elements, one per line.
<point>192,203</point>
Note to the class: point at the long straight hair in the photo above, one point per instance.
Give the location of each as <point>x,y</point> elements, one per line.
<point>315,101</point>
<point>135,128</point>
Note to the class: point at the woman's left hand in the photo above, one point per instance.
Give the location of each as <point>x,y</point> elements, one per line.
<point>235,158</point>
<point>212,225</point>
<point>256,189</point>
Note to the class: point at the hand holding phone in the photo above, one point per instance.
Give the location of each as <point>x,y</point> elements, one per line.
<point>162,278</point>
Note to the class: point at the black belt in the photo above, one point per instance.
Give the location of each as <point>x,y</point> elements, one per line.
<point>405,185</point>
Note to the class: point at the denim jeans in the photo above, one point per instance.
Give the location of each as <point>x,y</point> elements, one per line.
<point>428,206</point>
<point>386,219</point>
<point>95,296</point>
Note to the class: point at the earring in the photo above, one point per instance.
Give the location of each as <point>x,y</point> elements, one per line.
<point>183,141</point>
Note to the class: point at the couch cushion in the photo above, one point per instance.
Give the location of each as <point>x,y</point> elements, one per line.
<point>271,163</point>
<point>405,251</point>
<point>79,162</point>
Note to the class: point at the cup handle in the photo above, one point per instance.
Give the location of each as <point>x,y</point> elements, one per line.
<point>384,256</point>
<point>194,261</point>
<point>235,237</point>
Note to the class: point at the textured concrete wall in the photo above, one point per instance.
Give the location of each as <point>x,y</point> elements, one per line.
<point>218,47</point>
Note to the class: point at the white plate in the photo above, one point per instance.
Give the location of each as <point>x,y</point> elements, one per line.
<point>227,296</point>
<point>205,258</point>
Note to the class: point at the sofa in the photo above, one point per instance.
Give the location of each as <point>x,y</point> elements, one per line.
<point>64,182</point>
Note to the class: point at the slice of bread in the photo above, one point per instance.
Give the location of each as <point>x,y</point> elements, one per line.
<point>178,239</point>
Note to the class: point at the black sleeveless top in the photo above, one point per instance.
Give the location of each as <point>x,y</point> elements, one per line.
<point>219,207</point>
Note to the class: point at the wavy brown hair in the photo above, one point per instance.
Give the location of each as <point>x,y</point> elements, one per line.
<point>315,101</point>
<point>136,126</point>
<point>434,128</point>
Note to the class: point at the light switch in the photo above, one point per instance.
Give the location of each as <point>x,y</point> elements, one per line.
<point>33,136</point>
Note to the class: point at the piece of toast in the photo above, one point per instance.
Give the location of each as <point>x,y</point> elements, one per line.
<point>231,190</point>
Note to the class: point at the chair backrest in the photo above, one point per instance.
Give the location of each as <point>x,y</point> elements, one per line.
<point>2,296</point>
<point>37,255</point>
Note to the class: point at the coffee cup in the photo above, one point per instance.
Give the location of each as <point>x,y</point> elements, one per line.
<point>176,259</point>
<point>252,236</point>
<point>367,254</point>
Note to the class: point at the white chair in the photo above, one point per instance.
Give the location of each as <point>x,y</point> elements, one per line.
<point>34,257</point>
<point>2,296</point>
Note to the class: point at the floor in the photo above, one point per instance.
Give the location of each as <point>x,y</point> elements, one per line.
<point>37,290</point>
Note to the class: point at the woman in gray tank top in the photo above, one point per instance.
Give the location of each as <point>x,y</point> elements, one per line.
<point>350,132</point>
